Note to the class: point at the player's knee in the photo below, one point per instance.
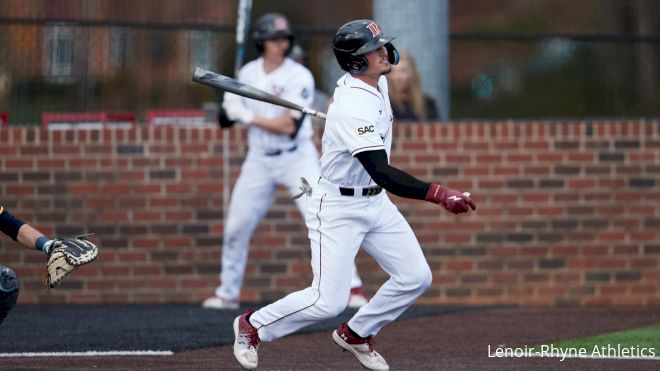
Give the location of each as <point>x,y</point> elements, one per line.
<point>420,280</point>
<point>331,308</point>
<point>9,288</point>
<point>425,279</point>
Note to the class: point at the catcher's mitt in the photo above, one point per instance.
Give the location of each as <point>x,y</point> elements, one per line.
<point>67,254</point>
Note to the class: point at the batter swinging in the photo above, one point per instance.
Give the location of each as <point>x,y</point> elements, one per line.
<point>351,211</point>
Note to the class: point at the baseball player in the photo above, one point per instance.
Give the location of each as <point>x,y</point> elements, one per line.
<point>64,255</point>
<point>351,210</point>
<point>281,151</point>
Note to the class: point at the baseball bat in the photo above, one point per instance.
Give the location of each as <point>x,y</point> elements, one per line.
<point>242,25</point>
<point>225,83</point>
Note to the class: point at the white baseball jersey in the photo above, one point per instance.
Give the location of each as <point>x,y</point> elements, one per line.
<point>290,81</point>
<point>359,119</point>
<point>261,173</point>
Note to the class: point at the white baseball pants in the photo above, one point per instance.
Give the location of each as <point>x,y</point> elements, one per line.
<point>341,224</point>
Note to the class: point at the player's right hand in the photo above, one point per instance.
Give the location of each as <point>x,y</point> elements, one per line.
<point>451,199</point>
<point>236,110</point>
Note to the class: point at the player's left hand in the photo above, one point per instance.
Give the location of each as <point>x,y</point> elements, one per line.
<point>235,109</point>
<point>451,199</point>
<point>67,254</point>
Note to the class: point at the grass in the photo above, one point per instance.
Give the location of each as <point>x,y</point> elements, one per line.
<point>645,337</point>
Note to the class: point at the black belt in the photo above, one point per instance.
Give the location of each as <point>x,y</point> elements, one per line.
<point>371,191</point>
<point>280,151</point>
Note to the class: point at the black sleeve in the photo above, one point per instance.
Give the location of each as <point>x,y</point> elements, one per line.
<point>392,179</point>
<point>9,225</point>
<point>223,120</point>
<point>297,125</point>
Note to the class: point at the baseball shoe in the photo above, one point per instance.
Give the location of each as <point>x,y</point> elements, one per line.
<point>215,302</point>
<point>362,348</point>
<point>246,341</point>
<point>357,298</point>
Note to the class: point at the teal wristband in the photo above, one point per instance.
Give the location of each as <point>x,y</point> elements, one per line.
<point>40,242</point>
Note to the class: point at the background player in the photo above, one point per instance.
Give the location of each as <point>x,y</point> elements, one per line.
<point>281,151</point>
<point>352,211</point>
<point>58,251</point>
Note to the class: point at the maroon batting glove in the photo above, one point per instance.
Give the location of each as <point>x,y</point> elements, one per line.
<point>451,199</point>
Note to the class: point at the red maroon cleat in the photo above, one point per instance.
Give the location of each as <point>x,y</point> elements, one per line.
<point>246,341</point>
<point>357,299</point>
<point>362,348</point>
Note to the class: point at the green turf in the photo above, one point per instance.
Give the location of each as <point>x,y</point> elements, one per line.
<point>645,337</point>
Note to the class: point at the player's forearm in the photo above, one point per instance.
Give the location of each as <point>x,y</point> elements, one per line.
<point>400,183</point>
<point>395,181</point>
<point>403,184</point>
<point>20,231</point>
<point>28,236</point>
<point>281,125</point>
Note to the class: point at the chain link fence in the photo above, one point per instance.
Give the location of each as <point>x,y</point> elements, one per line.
<point>507,59</point>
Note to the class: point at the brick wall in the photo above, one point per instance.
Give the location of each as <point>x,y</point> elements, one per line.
<point>568,213</point>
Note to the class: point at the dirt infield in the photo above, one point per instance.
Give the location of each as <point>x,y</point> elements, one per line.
<point>457,341</point>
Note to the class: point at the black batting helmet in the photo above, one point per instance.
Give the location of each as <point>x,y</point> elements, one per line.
<point>271,26</point>
<point>357,38</point>
<point>9,287</point>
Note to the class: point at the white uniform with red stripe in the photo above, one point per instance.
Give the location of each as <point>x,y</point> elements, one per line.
<point>359,119</point>
<point>273,159</point>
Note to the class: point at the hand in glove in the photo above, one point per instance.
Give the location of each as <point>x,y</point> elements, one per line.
<point>67,254</point>
<point>451,199</point>
<point>235,109</point>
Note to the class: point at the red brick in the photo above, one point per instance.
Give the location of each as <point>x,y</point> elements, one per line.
<point>178,188</point>
<point>134,256</point>
<point>551,291</point>
<point>475,171</point>
<point>612,290</point>
<point>114,216</point>
<point>611,263</point>
<point>181,216</point>
<point>504,277</point>
<point>33,150</point>
<point>565,277</point>
<point>146,216</point>
<point>146,242</point>
<point>552,158</point>
<point>644,263</point>
<point>211,161</point>
<point>459,265</point>
<point>501,170</point>
<point>489,159</point>
<point>146,189</point>
<point>158,202</point>
<point>19,163</point>
<point>22,190</point>
<point>114,189</point>
<point>162,149</point>
<point>581,183</point>
<point>564,250</point>
<point>191,175</point>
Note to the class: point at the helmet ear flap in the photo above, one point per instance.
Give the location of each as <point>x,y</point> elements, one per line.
<point>392,54</point>
<point>358,64</point>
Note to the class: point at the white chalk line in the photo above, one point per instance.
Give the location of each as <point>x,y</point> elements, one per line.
<point>90,353</point>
